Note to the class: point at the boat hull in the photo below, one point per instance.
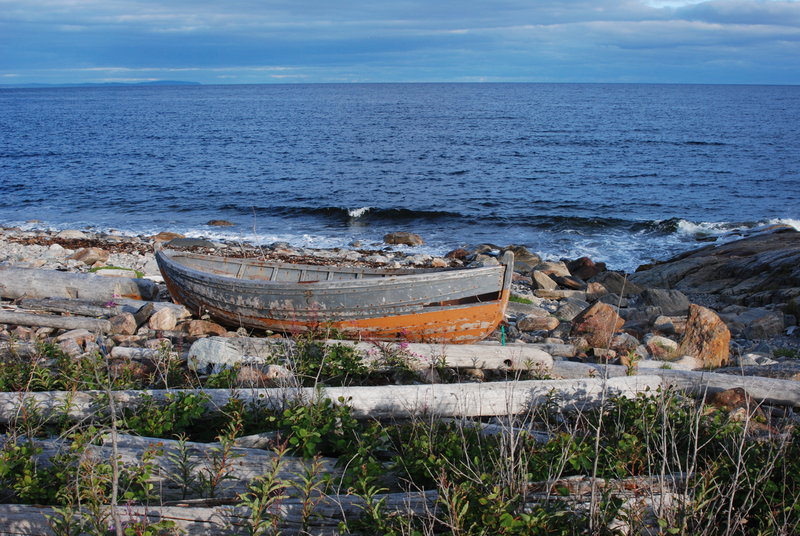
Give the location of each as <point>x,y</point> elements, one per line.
<point>453,306</point>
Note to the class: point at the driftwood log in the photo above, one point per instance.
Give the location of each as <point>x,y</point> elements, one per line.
<point>213,352</point>
<point>698,383</point>
<point>400,401</point>
<point>197,519</point>
<point>103,309</point>
<point>95,325</point>
<point>241,466</point>
<point>16,283</point>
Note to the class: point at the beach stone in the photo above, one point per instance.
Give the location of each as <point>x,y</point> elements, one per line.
<point>598,324</point>
<point>732,399</point>
<point>70,347</point>
<point>263,375</point>
<point>458,253</point>
<point>707,337</point>
<point>23,333</point>
<point>542,281</point>
<point>624,343</point>
<point>220,223</point>
<point>553,268</point>
<point>71,234</point>
<point>197,328</point>
<point>570,308</point>
<point>613,299</point>
<point>55,251</point>
<point>753,323</point>
<point>537,323</point>
<point>123,324</point>
<point>403,238</point>
<point>671,302</point>
<point>660,347</point>
<point>163,320</point>
<point>166,236</point>
<point>80,336</point>
<point>569,282</point>
<point>438,262</point>
<point>595,291</point>
<point>89,256</point>
<point>617,283</point>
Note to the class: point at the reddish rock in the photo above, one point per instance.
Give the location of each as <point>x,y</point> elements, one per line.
<point>166,236</point>
<point>707,337</point>
<point>597,324</point>
<point>123,324</point>
<point>585,268</point>
<point>459,253</point>
<point>537,323</point>
<point>731,399</point>
<point>403,238</point>
<point>196,328</point>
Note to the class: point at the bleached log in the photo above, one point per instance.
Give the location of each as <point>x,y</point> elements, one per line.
<point>18,283</point>
<point>400,401</point>
<point>106,309</point>
<point>244,464</point>
<point>95,325</point>
<point>66,305</point>
<point>141,354</point>
<point>329,512</point>
<point>214,352</point>
<point>698,383</point>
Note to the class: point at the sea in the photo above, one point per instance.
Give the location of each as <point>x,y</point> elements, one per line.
<point>622,173</point>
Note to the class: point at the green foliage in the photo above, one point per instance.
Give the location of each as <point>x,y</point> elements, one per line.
<point>317,363</point>
<point>519,299</point>
<point>179,413</point>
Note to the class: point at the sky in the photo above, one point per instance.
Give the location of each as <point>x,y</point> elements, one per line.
<point>324,41</point>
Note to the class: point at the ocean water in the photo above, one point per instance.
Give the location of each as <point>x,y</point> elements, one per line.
<point>622,173</point>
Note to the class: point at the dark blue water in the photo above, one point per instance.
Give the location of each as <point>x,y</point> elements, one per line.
<point>622,173</point>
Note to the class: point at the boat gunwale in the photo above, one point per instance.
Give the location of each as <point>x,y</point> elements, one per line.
<point>392,280</point>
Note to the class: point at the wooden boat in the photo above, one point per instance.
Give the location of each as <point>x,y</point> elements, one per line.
<point>459,305</point>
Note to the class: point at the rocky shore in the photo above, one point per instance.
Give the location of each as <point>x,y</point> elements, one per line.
<point>732,307</point>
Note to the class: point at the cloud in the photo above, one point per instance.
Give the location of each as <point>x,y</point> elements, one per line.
<point>611,40</point>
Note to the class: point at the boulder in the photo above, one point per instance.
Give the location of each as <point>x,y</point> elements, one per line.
<point>617,283</point>
<point>707,337</point>
<point>753,323</point>
<point>163,320</point>
<point>403,238</point>
<point>660,347</point>
<point>584,268</point>
<point>542,281</point>
<point>220,223</point>
<point>166,236</point>
<point>123,324</point>
<point>570,308</point>
<point>754,271</point>
<point>553,268</point>
<point>524,260</point>
<point>71,234</point>
<point>89,256</point>
<point>198,328</point>
<point>458,253</point>
<point>183,243</point>
<point>595,291</point>
<point>671,302</point>
<point>597,324</point>
<point>537,323</point>
<point>569,282</point>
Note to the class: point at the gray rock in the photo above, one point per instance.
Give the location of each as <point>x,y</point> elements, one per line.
<point>753,323</point>
<point>617,283</point>
<point>671,302</point>
<point>180,243</point>
<point>542,281</point>
<point>570,308</point>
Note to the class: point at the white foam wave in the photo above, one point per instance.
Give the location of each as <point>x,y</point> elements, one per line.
<point>356,213</point>
<point>785,221</point>
<point>704,228</point>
